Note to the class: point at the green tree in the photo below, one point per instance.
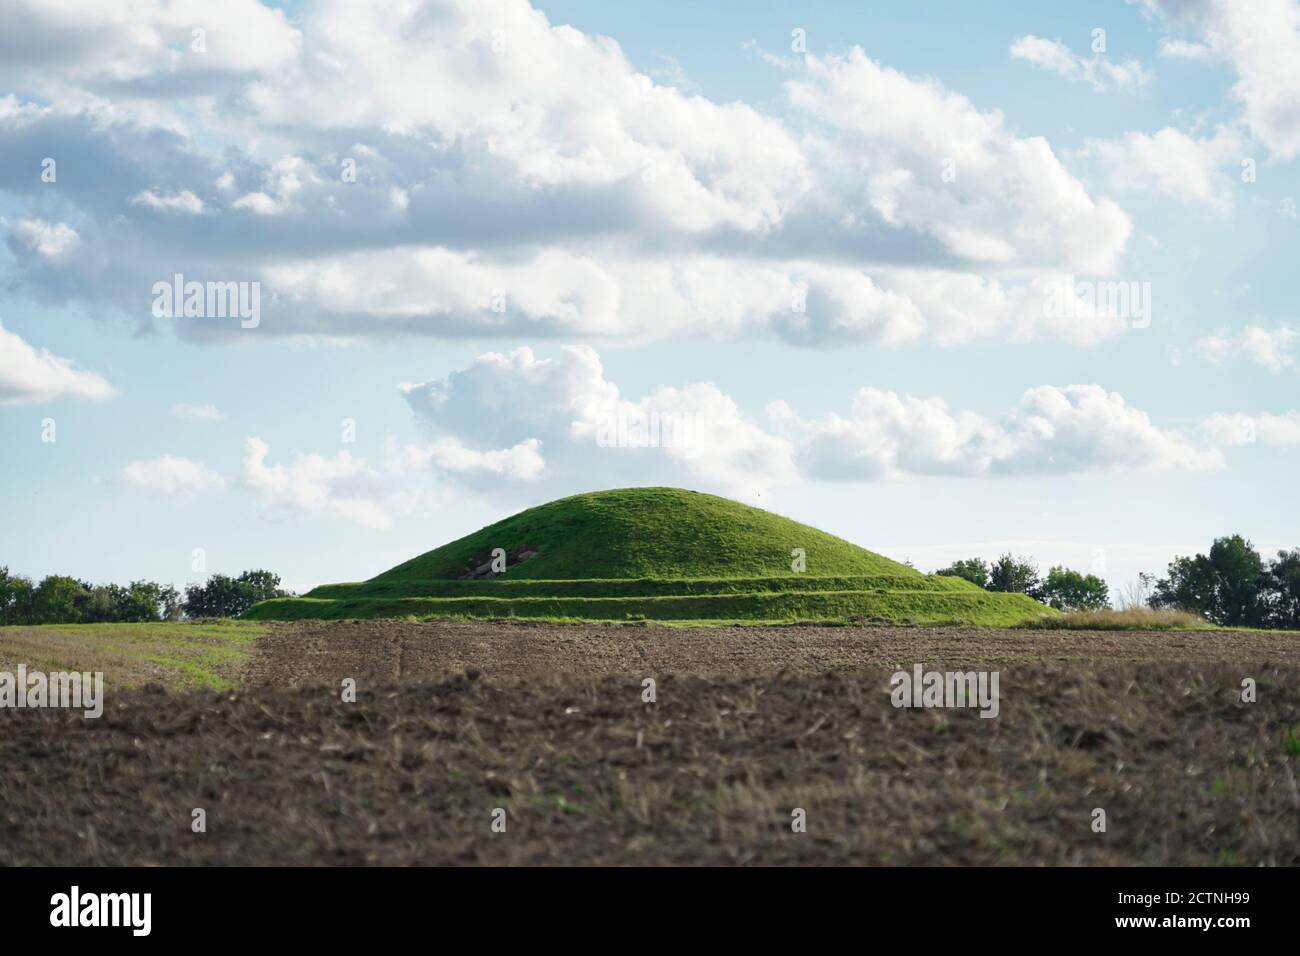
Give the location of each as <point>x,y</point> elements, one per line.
<point>142,601</point>
<point>219,596</point>
<point>224,596</point>
<point>58,600</point>
<point>1226,585</point>
<point>1282,590</point>
<point>171,604</point>
<point>1019,575</point>
<point>98,605</point>
<point>1189,585</point>
<point>16,596</point>
<point>1068,590</point>
<point>974,570</point>
<point>1238,570</point>
<point>260,586</point>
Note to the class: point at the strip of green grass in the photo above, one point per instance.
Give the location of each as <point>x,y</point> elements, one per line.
<point>1136,619</point>
<point>921,607</point>
<point>505,587</point>
<point>175,654</point>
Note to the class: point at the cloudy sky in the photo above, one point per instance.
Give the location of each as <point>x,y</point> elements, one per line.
<point>945,279</point>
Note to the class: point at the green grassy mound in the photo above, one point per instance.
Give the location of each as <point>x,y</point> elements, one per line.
<point>656,554</point>
<point>648,533</point>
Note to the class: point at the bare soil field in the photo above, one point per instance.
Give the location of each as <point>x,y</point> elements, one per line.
<point>382,651</point>
<point>454,722</point>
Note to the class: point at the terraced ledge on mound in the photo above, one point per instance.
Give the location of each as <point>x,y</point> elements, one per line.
<point>505,586</point>
<point>657,554</point>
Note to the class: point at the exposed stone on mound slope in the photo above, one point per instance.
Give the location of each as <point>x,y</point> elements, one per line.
<point>484,570</point>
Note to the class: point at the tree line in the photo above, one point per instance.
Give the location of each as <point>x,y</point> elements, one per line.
<point>1233,585</point>
<point>1063,588</point>
<point>59,599</point>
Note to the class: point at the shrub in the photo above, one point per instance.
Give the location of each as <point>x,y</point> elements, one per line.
<point>1068,590</point>
<point>973,570</point>
<point>224,596</point>
<point>1129,619</point>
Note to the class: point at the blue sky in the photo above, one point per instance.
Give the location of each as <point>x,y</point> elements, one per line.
<point>642,189</point>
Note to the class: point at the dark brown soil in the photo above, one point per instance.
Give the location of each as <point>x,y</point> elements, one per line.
<point>382,651</point>
<point>549,726</point>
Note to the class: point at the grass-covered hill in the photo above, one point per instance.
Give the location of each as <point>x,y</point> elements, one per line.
<point>648,533</point>
<point>655,554</point>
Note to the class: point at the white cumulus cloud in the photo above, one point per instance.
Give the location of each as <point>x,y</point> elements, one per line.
<point>170,475</point>
<point>1261,40</point>
<point>1099,71</point>
<point>696,434</point>
<point>1227,430</point>
<point>1183,167</point>
<point>343,485</point>
<point>51,240</point>
<point>182,201</point>
<point>1274,349</point>
<point>29,375</point>
<point>198,413</point>
<point>1075,428</point>
<point>1006,200</point>
<point>550,188</point>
